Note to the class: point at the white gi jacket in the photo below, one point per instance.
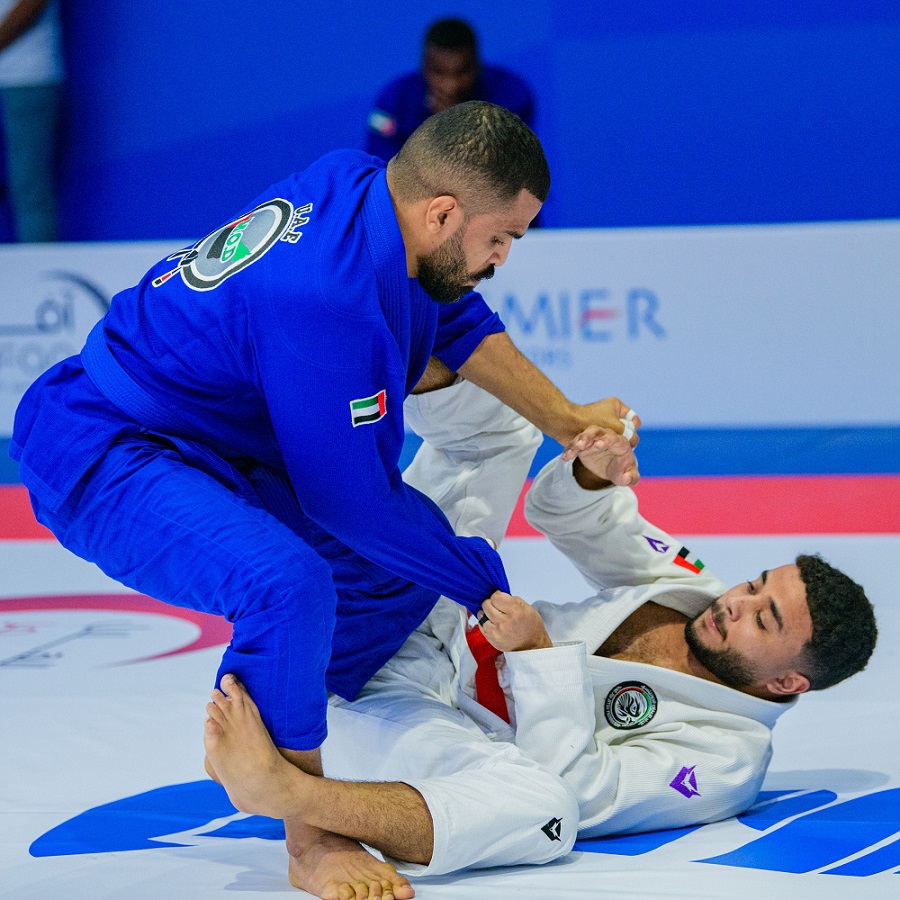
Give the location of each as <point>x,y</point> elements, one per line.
<point>596,746</point>
<point>642,747</point>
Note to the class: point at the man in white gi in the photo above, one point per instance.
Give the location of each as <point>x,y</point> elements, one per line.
<point>647,706</point>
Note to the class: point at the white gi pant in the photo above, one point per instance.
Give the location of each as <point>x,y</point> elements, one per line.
<point>490,803</point>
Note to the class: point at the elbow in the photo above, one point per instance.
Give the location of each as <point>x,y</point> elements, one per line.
<point>560,831</point>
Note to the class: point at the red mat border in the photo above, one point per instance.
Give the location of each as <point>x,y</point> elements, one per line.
<point>756,505</point>
<point>786,504</point>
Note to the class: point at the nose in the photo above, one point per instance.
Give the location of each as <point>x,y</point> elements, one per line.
<point>500,255</point>
<point>742,605</point>
<point>734,608</point>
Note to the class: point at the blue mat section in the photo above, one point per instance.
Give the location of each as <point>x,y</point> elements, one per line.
<point>878,861</point>
<point>678,452</point>
<point>633,844</point>
<point>9,470</point>
<point>769,451</point>
<point>762,817</point>
<point>826,837</point>
<point>133,823</point>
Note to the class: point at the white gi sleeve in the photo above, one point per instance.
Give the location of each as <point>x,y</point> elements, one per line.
<point>475,456</point>
<point>681,772</point>
<point>605,536</point>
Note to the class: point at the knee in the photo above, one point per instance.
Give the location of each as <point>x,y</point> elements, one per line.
<point>558,803</point>
<point>280,589</point>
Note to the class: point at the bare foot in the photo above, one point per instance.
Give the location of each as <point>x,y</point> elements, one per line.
<point>259,780</point>
<point>210,770</point>
<point>244,760</point>
<point>335,868</point>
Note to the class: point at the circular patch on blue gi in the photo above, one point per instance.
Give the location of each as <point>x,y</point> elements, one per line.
<point>232,247</point>
<point>630,704</point>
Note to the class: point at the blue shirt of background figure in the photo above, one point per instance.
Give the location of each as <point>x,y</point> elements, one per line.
<point>403,106</point>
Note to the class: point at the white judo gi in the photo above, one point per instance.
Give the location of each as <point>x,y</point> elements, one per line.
<point>595,746</point>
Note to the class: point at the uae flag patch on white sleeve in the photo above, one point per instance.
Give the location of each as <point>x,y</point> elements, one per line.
<point>368,410</point>
<point>688,560</point>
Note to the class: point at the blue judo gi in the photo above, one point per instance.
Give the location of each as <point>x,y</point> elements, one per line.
<point>228,440</point>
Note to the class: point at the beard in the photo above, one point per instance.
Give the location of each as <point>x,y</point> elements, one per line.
<point>443,274</point>
<point>729,666</point>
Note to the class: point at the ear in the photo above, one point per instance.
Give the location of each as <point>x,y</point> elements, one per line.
<point>443,216</point>
<point>792,682</point>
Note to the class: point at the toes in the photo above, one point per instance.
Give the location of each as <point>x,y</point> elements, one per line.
<point>212,729</point>
<point>229,684</point>
<point>217,696</point>
<point>236,691</point>
<point>354,891</point>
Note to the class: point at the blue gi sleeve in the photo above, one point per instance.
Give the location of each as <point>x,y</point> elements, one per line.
<point>336,405</point>
<point>462,327</point>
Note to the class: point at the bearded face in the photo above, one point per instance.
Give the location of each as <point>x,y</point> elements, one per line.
<point>728,665</point>
<point>443,273</point>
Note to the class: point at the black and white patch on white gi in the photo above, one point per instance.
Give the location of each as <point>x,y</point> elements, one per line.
<point>553,829</point>
<point>630,704</point>
<point>232,247</point>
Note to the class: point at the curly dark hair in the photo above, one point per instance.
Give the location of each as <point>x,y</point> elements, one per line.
<point>476,151</point>
<point>843,624</point>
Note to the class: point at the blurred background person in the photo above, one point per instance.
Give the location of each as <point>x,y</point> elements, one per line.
<point>451,73</point>
<point>31,75</point>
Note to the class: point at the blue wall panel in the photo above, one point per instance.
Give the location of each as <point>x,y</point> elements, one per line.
<point>651,113</point>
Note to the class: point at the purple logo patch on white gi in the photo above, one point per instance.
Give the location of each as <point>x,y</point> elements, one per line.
<point>658,545</point>
<point>685,782</point>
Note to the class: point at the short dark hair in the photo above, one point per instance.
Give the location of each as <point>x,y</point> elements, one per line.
<point>476,151</point>
<point>843,624</point>
<point>452,34</point>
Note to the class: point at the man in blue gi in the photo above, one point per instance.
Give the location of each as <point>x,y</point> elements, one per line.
<point>228,438</point>
<point>451,73</point>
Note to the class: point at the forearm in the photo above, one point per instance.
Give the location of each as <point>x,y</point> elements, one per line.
<point>553,697</point>
<point>19,19</point>
<point>501,369</point>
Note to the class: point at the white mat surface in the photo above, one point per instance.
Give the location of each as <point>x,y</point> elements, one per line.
<point>84,729</point>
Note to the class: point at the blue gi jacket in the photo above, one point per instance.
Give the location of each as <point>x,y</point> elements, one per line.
<point>289,337</point>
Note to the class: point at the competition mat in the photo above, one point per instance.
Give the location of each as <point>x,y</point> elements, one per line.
<point>103,794</point>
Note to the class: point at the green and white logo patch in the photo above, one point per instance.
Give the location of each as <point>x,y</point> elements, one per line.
<point>630,704</point>
<point>232,247</point>
<point>368,409</point>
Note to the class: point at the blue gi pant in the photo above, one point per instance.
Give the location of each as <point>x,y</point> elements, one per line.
<point>194,532</point>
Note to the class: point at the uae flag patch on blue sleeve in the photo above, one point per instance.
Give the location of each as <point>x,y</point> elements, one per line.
<point>368,410</point>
